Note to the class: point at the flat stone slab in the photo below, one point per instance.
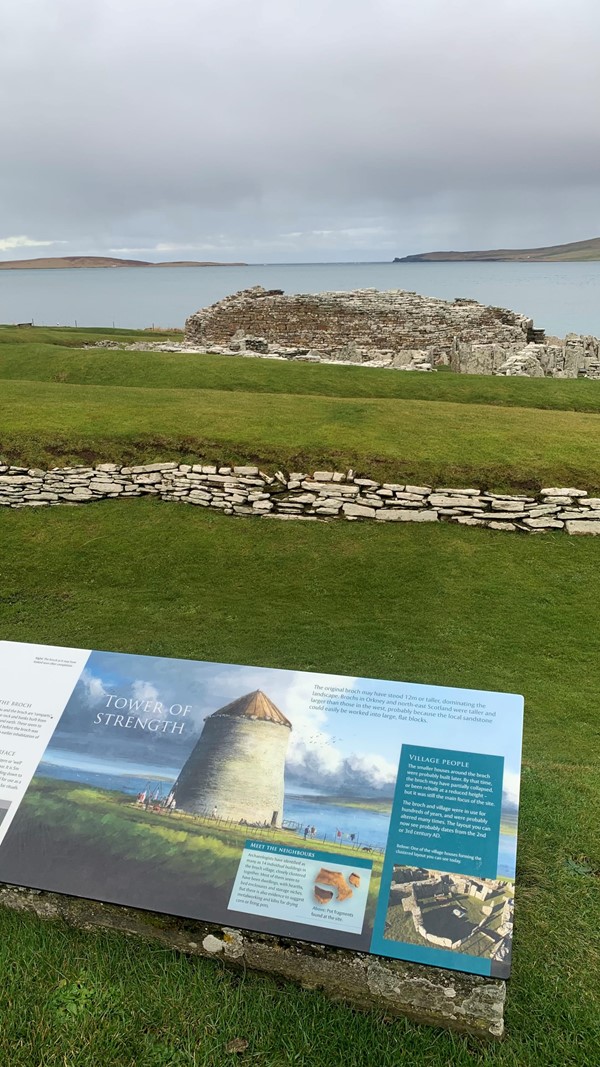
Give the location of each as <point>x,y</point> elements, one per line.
<point>583,526</point>
<point>466,1002</point>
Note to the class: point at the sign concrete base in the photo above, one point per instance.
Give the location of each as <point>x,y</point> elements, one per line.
<point>450,999</point>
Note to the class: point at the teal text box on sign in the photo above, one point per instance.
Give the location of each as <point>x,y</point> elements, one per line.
<point>447,811</point>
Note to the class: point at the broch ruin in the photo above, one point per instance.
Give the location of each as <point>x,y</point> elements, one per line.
<point>396,328</point>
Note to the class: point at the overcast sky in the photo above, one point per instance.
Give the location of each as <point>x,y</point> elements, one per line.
<point>296,130</point>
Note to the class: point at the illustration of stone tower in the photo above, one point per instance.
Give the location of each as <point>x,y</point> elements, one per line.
<point>235,771</point>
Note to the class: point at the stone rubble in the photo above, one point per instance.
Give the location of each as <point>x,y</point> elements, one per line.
<point>246,490</point>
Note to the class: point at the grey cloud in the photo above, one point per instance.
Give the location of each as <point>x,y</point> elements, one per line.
<point>354,775</point>
<point>304,129</point>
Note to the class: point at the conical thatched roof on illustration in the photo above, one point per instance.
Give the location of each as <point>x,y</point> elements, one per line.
<point>254,705</point>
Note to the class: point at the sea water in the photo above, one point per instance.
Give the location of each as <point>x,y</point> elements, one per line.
<point>560,297</point>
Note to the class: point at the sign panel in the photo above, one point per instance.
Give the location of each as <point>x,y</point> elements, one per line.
<point>373,815</point>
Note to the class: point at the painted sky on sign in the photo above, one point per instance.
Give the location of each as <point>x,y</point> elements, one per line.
<point>332,748</point>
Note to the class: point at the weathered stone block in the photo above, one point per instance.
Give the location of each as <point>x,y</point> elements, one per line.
<point>510,516</point>
<point>543,509</point>
<point>329,502</point>
<point>405,515</point>
<point>147,479</point>
<point>452,501</point>
<point>507,505</point>
<point>106,487</point>
<point>331,488</point>
<point>586,514</point>
<point>358,511</point>
<point>583,527</point>
<point>543,524</point>
<point>146,468</point>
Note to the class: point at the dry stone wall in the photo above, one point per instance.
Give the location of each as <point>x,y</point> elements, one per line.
<point>308,497</point>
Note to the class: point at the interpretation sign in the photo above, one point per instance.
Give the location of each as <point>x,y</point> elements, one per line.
<point>373,815</point>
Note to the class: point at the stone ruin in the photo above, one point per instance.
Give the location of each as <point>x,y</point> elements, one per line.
<point>396,328</point>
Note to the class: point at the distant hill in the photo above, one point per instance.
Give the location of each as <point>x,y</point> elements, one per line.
<point>578,250</point>
<point>68,262</point>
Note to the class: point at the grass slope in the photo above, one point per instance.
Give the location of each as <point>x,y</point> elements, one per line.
<point>424,603</point>
<point>61,404</point>
<point>408,440</point>
<point>463,607</point>
<point>46,362</point>
<point>54,355</point>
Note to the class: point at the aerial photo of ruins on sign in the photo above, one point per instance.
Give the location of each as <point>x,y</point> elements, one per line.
<point>454,911</point>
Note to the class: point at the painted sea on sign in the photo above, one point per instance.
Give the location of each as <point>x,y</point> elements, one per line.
<point>366,828</point>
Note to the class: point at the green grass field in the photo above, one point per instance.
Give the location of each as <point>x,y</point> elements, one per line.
<point>53,355</point>
<point>58,404</point>
<point>466,607</point>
